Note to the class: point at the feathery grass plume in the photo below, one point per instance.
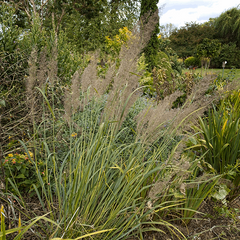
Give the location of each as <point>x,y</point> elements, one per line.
<point>198,102</point>
<point>67,105</point>
<point>155,82</point>
<point>71,98</point>
<point>101,85</point>
<point>31,81</point>
<point>75,91</point>
<point>89,78</point>
<point>126,80</point>
<point>163,115</point>
<point>52,65</point>
<point>90,73</point>
<point>43,68</point>
<point>150,119</point>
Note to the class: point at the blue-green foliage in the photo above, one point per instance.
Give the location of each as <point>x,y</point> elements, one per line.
<point>128,129</point>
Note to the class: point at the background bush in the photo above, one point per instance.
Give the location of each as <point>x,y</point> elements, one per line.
<point>192,61</point>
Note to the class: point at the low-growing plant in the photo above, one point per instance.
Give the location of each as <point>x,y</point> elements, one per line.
<point>20,170</point>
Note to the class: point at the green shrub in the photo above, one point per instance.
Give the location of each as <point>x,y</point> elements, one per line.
<point>218,138</point>
<point>230,53</point>
<point>192,61</point>
<point>175,63</point>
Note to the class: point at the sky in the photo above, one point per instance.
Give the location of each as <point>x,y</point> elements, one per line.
<point>178,12</point>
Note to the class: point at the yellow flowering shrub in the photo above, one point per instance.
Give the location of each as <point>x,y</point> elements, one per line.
<point>116,43</point>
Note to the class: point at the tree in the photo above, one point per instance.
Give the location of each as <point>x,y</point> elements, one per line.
<point>185,40</point>
<point>230,53</point>
<point>85,22</point>
<point>207,50</point>
<point>227,26</point>
<point>9,33</point>
<point>151,50</point>
<point>88,34</point>
<point>167,29</point>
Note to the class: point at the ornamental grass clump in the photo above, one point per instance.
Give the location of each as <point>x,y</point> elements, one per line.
<point>99,188</point>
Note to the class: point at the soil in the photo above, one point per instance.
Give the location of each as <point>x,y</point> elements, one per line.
<point>210,225</point>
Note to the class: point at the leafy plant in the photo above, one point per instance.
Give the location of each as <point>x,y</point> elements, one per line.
<point>19,168</point>
<point>218,138</point>
<point>192,186</point>
<point>146,78</point>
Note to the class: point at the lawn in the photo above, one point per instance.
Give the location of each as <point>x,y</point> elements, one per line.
<point>226,72</point>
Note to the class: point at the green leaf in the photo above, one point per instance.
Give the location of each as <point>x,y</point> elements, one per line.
<point>221,193</point>
<point>18,167</point>
<point>23,170</point>
<point>20,176</point>
<point>11,231</point>
<point>26,182</point>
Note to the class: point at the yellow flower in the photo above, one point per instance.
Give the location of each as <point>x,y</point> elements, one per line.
<point>31,154</point>
<point>10,155</point>
<point>159,36</point>
<point>74,134</point>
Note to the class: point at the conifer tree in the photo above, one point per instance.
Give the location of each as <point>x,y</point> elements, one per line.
<point>151,50</point>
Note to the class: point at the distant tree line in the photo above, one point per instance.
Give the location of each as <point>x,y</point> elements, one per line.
<point>224,29</point>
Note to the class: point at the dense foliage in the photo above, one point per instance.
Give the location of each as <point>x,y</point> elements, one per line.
<point>185,40</point>
<point>223,29</point>
<point>92,143</point>
<point>228,26</point>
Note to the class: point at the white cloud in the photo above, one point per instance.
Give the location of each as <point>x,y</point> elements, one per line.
<point>178,12</point>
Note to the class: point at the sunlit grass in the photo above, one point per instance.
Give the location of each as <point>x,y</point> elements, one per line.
<point>225,73</point>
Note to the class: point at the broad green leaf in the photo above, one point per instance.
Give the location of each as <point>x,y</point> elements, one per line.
<point>20,176</point>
